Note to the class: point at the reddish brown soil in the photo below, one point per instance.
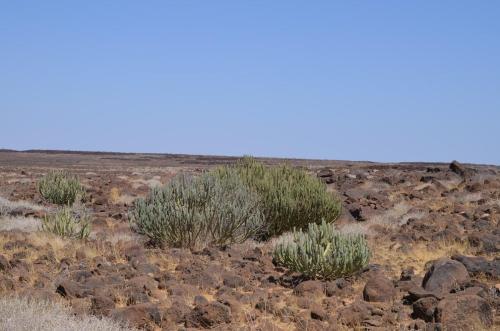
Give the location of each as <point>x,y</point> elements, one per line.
<point>412,213</point>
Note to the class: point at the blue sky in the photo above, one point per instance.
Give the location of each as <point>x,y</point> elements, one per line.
<point>357,80</point>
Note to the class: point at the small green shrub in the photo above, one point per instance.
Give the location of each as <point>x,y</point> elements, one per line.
<point>289,197</point>
<point>195,212</point>
<point>322,252</point>
<point>65,223</point>
<point>61,188</point>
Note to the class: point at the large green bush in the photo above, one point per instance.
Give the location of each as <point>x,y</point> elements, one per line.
<point>65,223</point>
<point>322,252</point>
<point>60,187</point>
<point>289,197</point>
<point>195,212</point>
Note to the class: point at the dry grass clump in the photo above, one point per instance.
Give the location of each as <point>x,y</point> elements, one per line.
<point>388,220</point>
<point>114,195</point>
<point>23,314</point>
<point>24,224</point>
<point>416,255</point>
<point>117,197</point>
<point>8,220</point>
<point>7,207</point>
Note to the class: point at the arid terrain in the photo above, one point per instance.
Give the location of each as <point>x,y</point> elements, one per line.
<point>433,230</point>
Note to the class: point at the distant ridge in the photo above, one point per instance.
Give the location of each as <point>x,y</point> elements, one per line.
<point>223,158</point>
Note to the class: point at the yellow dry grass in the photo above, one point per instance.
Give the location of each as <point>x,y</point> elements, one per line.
<point>416,256</point>
<point>114,195</point>
<point>63,247</point>
<point>117,197</point>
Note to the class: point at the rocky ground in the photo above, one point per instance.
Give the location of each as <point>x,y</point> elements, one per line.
<point>433,230</point>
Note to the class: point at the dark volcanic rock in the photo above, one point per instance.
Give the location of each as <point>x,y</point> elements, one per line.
<point>417,292</point>
<point>379,289</point>
<point>425,308</point>
<point>445,275</point>
<point>141,315</point>
<point>233,281</point>
<point>4,263</point>
<point>326,175</point>
<point>355,313</point>
<point>209,315</point>
<point>71,289</point>
<point>457,168</point>
<point>487,242</point>
<point>464,312</point>
<point>178,312</point>
<point>479,265</point>
<point>309,287</point>
<point>102,304</point>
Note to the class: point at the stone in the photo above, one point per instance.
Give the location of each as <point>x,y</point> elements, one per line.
<point>141,315</point>
<point>209,315</point>
<point>102,305</point>
<point>354,314</point>
<point>177,312</point>
<point>253,255</point>
<point>318,313</point>
<point>477,265</point>
<point>326,175</point>
<point>70,289</point>
<point>445,275</point>
<point>6,283</point>
<point>309,287</point>
<point>425,308</point>
<point>143,282</point>
<point>487,242</point>
<point>407,274</point>
<point>333,288</point>
<point>458,168</point>
<point>265,306</point>
<point>417,292</point>
<point>81,275</point>
<point>200,300</point>
<point>233,281</point>
<point>357,211</point>
<point>464,312</point>
<point>4,263</point>
<point>379,289</point>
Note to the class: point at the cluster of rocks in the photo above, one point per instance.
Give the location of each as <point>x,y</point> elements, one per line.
<point>446,297</point>
<point>239,288</point>
<point>227,289</point>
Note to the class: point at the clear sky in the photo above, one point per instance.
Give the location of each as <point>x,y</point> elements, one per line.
<point>358,80</point>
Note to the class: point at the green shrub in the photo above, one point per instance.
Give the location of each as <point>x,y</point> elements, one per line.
<point>322,252</point>
<point>61,188</point>
<point>195,212</point>
<point>65,223</point>
<point>289,197</point>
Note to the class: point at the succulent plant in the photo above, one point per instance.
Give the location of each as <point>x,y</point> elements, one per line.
<point>322,252</point>
<point>289,197</point>
<point>60,187</point>
<point>195,212</point>
<point>66,223</point>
